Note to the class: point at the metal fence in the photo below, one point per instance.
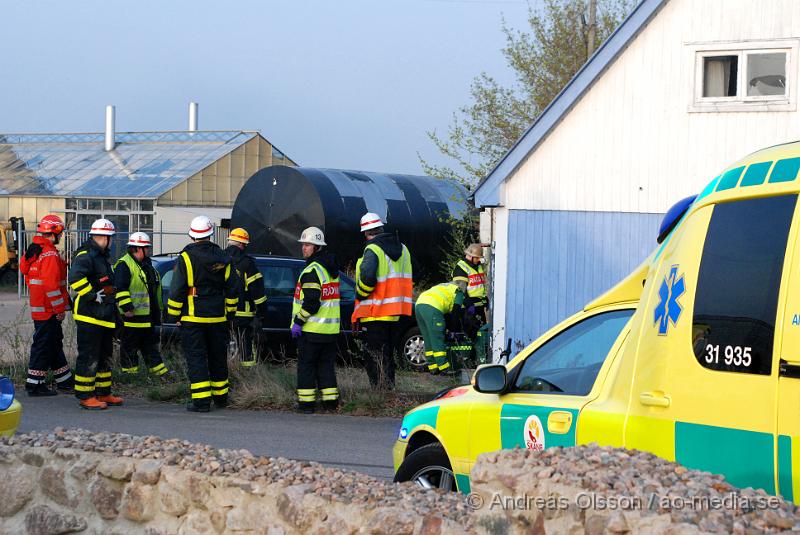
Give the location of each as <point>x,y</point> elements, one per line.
<point>164,242</point>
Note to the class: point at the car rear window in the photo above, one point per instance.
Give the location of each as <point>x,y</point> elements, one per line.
<point>279,281</point>
<point>737,287</point>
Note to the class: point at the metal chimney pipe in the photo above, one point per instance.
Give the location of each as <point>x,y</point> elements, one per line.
<point>109,128</point>
<point>193,116</point>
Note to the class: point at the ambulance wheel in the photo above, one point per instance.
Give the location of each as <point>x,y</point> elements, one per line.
<point>428,467</point>
<point>412,347</point>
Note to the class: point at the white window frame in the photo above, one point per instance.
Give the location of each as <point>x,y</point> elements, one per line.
<point>742,102</point>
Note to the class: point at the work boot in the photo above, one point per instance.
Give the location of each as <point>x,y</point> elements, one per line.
<point>110,400</point>
<point>67,386</point>
<point>306,407</point>
<point>220,402</point>
<point>197,407</point>
<point>92,404</point>
<point>39,391</point>
<point>330,405</point>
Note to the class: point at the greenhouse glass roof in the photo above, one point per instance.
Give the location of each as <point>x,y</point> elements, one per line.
<point>142,164</point>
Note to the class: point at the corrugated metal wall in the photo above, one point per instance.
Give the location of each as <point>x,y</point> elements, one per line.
<point>559,261</point>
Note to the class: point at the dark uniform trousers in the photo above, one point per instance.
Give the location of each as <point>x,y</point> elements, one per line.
<point>205,346</point>
<point>380,339</point>
<point>316,370</point>
<point>144,340</point>
<point>47,353</point>
<point>95,347</point>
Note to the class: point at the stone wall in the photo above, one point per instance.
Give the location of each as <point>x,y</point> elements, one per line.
<point>54,490</point>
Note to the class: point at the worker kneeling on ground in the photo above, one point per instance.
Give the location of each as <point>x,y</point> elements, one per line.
<point>384,292</point>
<point>251,295</point>
<point>316,323</point>
<point>435,309</point>
<point>92,279</point>
<point>139,301</point>
<point>202,297</point>
<point>46,274</point>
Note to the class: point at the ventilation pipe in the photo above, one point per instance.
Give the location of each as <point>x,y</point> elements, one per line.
<point>109,128</point>
<point>193,117</point>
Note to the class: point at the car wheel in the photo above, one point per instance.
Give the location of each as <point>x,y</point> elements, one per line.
<point>428,467</point>
<point>413,349</point>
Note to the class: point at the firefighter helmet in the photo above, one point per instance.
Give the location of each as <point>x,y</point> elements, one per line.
<point>139,239</point>
<point>201,227</point>
<point>102,227</point>
<point>370,221</point>
<point>312,235</point>
<point>239,235</point>
<point>50,224</point>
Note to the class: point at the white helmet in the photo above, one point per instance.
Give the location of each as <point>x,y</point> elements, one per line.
<point>102,227</point>
<point>139,239</point>
<point>312,235</point>
<point>201,227</point>
<point>370,221</point>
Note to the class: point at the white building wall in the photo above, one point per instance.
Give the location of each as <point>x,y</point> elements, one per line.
<point>631,144</point>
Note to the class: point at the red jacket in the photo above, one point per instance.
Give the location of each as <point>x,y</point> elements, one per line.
<point>46,276</point>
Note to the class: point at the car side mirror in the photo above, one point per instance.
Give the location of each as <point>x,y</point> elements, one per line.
<point>490,378</point>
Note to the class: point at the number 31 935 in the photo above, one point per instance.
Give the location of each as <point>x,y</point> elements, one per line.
<point>732,355</point>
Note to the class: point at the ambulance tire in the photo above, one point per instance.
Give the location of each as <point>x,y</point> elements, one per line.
<point>428,467</point>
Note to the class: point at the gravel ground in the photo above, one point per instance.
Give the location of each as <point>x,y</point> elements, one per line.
<point>328,483</point>
<point>689,496</point>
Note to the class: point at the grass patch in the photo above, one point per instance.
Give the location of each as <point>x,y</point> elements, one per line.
<point>270,385</point>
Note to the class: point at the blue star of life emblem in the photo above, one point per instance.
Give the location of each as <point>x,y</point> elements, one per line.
<point>668,309</point>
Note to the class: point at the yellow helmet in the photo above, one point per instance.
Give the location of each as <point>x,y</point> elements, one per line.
<point>240,235</point>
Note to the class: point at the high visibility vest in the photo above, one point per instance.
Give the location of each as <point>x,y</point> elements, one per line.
<point>476,285</point>
<point>327,319</point>
<point>137,294</point>
<point>393,293</point>
<point>442,297</point>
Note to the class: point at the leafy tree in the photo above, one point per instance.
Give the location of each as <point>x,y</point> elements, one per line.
<point>543,57</point>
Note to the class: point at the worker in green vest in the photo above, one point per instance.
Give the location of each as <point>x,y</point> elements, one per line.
<point>139,302</point>
<point>435,309</point>
<point>315,324</point>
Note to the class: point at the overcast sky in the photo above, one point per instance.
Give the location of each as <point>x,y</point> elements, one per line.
<point>333,83</point>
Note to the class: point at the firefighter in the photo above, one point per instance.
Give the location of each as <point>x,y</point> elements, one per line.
<point>470,271</point>
<point>251,295</point>
<point>92,278</point>
<point>46,274</point>
<point>139,301</point>
<point>384,289</point>
<point>316,323</point>
<point>203,296</point>
<point>436,309</point>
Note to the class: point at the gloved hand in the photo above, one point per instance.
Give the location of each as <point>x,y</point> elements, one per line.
<point>129,314</point>
<point>109,290</point>
<point>33,250</point>
<point>297,329</point>
<point>471,310</point>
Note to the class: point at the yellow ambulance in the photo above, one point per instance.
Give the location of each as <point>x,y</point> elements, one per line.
<point>695,356</point>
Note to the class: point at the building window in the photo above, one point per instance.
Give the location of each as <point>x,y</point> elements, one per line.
<point>751,76</point>
<point>736,301</point>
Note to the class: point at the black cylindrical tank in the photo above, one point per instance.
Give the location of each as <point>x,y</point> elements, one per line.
<point>278,202</point>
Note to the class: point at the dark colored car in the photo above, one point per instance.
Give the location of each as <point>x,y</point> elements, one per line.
<point>280,275</point>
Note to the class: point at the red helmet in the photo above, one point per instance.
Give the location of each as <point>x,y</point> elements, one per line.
<point>50,224</point>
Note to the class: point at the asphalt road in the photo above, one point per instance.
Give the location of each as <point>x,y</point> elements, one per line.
<point>349,442</point>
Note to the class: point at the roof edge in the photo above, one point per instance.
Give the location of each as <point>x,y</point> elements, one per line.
<point>487,192</point>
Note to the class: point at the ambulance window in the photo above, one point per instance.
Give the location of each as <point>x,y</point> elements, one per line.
<point>738,283</point>
<point>569,362</point>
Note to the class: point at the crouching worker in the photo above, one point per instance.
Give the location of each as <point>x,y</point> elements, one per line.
<point>315,324</point>
<point>432,306</point>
